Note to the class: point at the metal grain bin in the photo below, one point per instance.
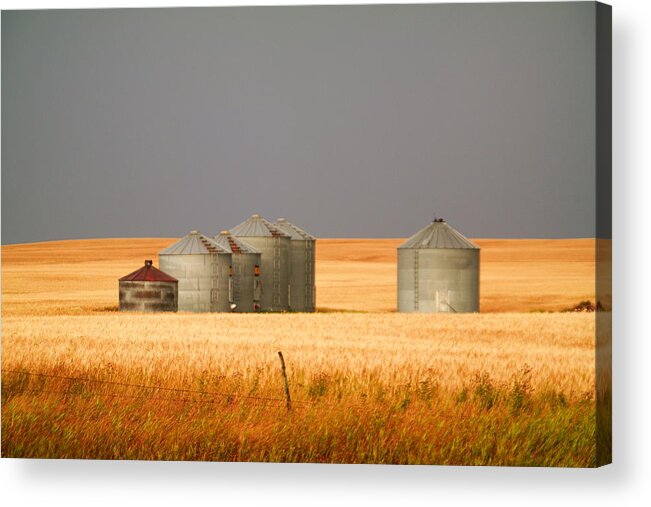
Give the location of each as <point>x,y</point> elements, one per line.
<point>247,288</point>
<point>438,271</point>
<point>274,247</point>
<point>302,292</point>
<point>203,270</point>
<point>148,290</point>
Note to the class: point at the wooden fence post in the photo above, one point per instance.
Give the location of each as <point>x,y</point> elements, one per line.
<point>282,367</point>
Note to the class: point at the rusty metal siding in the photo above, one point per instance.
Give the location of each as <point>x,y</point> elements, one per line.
<point>137,296</point>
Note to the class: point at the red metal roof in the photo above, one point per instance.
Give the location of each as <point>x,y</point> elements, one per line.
<point>148,273</point>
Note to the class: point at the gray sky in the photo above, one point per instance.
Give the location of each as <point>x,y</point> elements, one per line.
<point>351,121</point>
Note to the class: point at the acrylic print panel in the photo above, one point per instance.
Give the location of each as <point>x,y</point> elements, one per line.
<point>333,234</point>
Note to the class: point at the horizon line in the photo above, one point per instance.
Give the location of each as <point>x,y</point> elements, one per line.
<point>485,238</point>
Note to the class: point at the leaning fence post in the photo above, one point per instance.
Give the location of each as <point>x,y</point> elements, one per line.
<point>282,368</point>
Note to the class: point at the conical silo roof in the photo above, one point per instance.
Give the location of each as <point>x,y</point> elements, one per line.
<point>438,234</point>
<point>148,273</point>
<point>194,243</point>
<point>293,231</point>
<point>233,245</point>
<point>256,226</point>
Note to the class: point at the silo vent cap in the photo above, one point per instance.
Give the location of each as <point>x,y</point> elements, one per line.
<point>225,233</point>
<point>148,262</point>
<point>255,215</point>
<point>194,232</point>
<point>282,220</point>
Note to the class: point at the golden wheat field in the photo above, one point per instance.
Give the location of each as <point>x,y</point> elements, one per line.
<point>78,277</point>
<point>510,386</point>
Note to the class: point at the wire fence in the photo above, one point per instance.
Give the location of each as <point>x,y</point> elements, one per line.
<point>64,394</point>
<point>143,386</point>
<point>202,396</point>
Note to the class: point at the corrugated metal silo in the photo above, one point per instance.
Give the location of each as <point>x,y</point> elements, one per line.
<point>247,288</point>
<point>148,290</point>
<point>203,270</point>
<point>438,271</point>
<point>274,247</point>
<point>302,292</point>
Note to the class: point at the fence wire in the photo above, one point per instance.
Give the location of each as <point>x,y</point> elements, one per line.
<point>228,399</point>
<point>64,394</point>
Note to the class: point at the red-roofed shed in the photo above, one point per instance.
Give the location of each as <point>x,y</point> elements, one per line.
<point>148,273</point>
<point>149,290</point>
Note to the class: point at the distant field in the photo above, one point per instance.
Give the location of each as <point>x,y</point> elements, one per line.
<point>79,277</point>
<point>509,386</point>
<point>516,275</point>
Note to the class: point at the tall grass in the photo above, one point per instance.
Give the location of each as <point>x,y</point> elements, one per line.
<point>405,429</point>
<point>509,389</point>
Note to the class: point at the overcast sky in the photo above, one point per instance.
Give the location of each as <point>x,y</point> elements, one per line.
<point>351,121</point>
